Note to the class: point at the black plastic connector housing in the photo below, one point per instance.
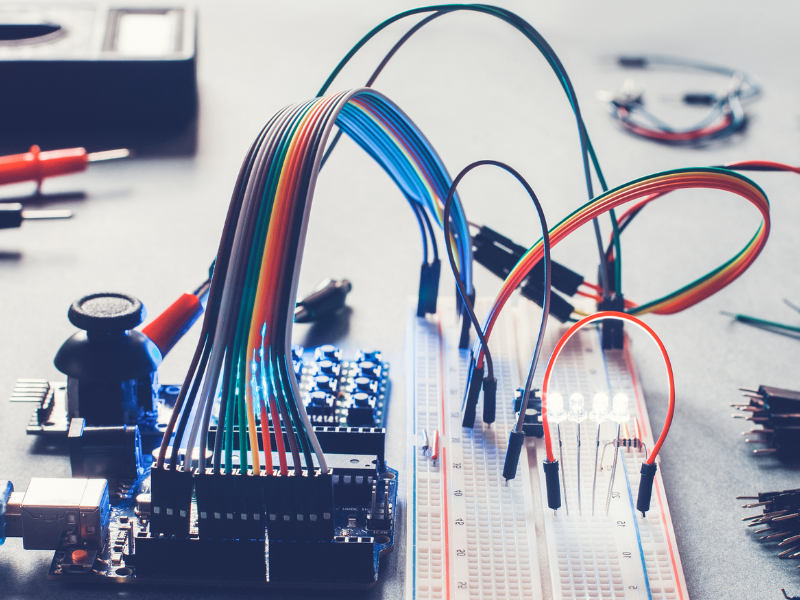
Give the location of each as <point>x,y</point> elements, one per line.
<point>428,287</point>
<point>499,254</point>
<point>339,560</point>
<point>113,453</point>
<point>189,558</point>
<point>648,475</point>
<point>532,289</point>
<point>230,506</point>
<point>489,400</point>
<point>515,442</point>
<point>699,98</point>
<point>171,492</point>
<point>463,341</point>
<point>531,424</point>
<point>327,299</point>
<point>612,332</point>
<point>469,407</point>
<point>298,508</point>
<point>632,62</point>
<point>381,512</point>
<point>552,484</point>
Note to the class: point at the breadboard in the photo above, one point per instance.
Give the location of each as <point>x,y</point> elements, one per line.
<point>474,535</point>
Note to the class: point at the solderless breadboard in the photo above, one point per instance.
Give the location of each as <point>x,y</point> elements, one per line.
<point>474,535</point>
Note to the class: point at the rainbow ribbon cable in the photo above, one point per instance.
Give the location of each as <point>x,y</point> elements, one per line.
<point>242,373</point>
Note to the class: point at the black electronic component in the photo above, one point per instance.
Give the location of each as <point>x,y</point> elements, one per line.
<point>328,352</point>
<point>381,513</point>
<point>121,70</point>
<point>353,478</point>
<point>365,385</point>
<point>370,355</point>
<point>463,340</point>
<point>473,390</point>
<point>164,558</point>
<point>245,507</point>
<point>428,287</point>
<point>367,368</point>
<point>111,369</point>
<point>341,560</point>
<point>325,383</point>
<point>112,453</point>
<point>329,368</point>
<point>532,424</point>
<point>499,254</point>
<point>299,508</point>
<point>777,410</point>
<point>515,442</point>
<point>612,332</point>
<point>171,499</point>
<point>779,520</point>
<point>648,475</point>
<point>532,289</point>
<point>489,399</point>
<point>325,301</point>
<point>12,214</point>
<point>321,407</point>
<point>699,99</point>
<point>361,410</point>
<point>552,484</point>
<point>632,62</point>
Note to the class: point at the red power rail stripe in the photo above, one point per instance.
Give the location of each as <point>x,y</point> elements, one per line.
<point>678,581</point>
<point>446,523</point>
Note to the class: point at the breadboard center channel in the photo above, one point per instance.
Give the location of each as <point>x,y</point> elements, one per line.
<point>474,535</point>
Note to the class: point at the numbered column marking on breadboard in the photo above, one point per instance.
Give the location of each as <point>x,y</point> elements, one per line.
<point>487,542</point>
<point>427,557</point>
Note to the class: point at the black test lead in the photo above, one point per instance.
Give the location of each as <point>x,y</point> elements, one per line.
<point>12,215</point>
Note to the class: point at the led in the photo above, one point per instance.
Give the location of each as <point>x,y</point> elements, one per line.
<point>599,408</point>
<point>577,412</point>
<point>555,408</point>
<point>620,413</point>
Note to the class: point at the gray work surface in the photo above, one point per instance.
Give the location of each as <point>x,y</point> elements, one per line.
<point>150,225</point>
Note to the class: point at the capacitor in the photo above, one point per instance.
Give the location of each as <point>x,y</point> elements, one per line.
<point>365,384</point>
<point>369,369</point>
<point>328,367</point>
<point>328,352</point>
<point>370,355</point>
<point>325,383</point>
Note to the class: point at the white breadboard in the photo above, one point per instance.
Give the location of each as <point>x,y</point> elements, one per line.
<point>472,535</point>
